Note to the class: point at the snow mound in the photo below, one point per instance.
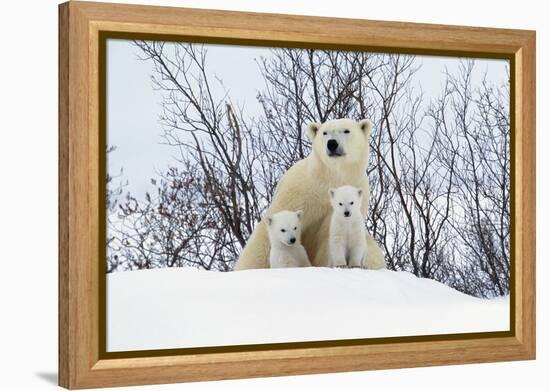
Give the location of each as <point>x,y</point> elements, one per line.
<point>185,307</point>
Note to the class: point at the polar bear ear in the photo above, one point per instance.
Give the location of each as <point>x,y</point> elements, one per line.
<point>300,214</point>
<point>360,192</point>
<point>269,220</point>
<point>366,126</point>
<point>331,193</point>
<point>312,130</point>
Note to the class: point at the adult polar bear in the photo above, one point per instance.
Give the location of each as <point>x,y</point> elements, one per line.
<point>339,156</point>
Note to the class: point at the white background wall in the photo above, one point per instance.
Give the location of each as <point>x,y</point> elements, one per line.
<point>28,194</point>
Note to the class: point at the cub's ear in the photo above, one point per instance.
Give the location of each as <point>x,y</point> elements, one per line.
<point>366,126</point>
<point>269,220</point>
<point>360,192</point>
<point>331,193</point>
<point>312,130</point>
<point>300,214</point>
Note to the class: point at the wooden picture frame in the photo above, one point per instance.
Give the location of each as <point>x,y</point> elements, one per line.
<point>83,362</point>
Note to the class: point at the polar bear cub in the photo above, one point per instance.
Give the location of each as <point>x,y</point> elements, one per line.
<point>347,235</point>
<point>284,230</point>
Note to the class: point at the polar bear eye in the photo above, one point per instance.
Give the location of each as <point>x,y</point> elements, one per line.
<point>324,133</point>
<point>351,203</point>
<point>346,131</point>
<point>295,228</point>
<point>283,230</point>
<point>340,204</point>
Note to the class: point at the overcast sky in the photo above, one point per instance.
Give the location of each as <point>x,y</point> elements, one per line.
<point>133,107</point>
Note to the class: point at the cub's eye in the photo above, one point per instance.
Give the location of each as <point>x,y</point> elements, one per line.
<point>295,228</point>
<point>324,133</point>
<point>351,203</point>
<point>346,131</point>
<point>283,230</point>
<point>340,204</point>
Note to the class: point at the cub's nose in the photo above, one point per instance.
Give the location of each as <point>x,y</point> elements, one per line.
<point>346,213</point>
<point>292,240</point>
<point>332,145</point>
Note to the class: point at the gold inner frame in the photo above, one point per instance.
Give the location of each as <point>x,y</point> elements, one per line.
<point>103,36</point>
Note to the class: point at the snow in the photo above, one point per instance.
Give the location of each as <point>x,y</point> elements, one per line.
<point>186,307</point>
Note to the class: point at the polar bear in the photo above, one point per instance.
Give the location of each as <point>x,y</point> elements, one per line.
<point>339,156</point>
<point>284,231</point>
<point>347,241</point>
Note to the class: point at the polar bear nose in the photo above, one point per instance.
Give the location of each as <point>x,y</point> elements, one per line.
<point>332,145</point>
<point>346,213</point>
<point>292,240</point>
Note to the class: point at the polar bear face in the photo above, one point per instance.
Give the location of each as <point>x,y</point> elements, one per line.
<point>340,141</point>
<point>285,227</point>
<point>346,201</point>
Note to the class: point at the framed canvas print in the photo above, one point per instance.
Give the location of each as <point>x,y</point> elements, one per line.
<point>251,195</point>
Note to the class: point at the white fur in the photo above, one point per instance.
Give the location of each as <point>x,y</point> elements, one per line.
<point>285,230</point>
<point>305,185</point>
<point>347,234</point>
